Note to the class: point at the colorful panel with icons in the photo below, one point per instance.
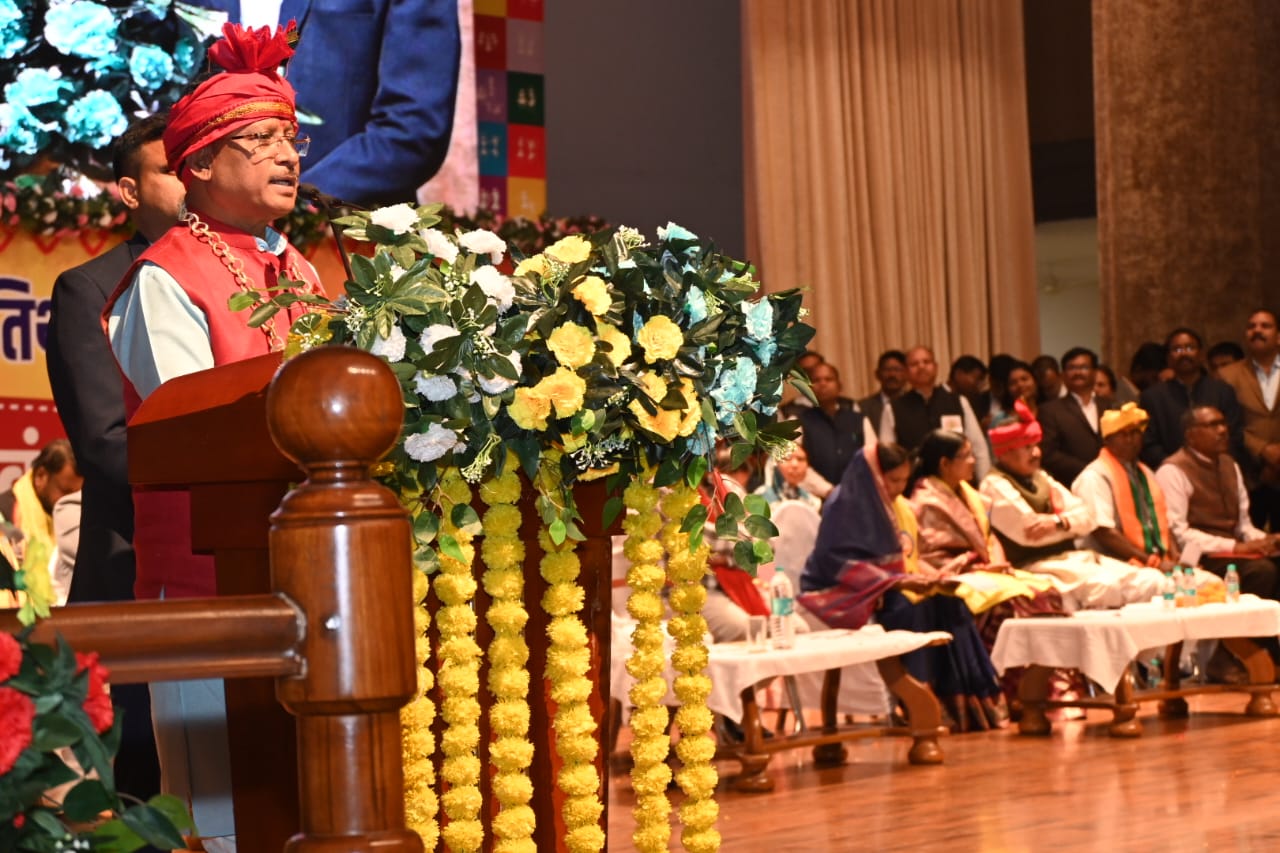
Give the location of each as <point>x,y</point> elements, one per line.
<point>510,107</point>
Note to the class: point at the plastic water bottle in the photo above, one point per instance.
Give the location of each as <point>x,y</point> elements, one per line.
<point>782,608</point>
<point>1169,588</point>
<point>1189,587</point>
<point>1233,584</point>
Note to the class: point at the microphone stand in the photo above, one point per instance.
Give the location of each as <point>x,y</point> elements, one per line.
<point>327,204</point>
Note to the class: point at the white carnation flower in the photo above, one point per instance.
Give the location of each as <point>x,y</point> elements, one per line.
<point>495,385</point>
<point>495,285</point>
<point>481,241</point>
<point>437,389</point>
<point>434,334</point>
<point>439,245</point>
<point>398,218</point>
<point>391,347</point>
<point>434,443</point>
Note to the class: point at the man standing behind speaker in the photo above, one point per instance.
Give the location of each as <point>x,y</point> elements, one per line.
<point>89,393</point>
<point>382,75</point>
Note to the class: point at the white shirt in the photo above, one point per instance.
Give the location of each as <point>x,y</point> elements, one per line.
<point>1090,409</point>
<point>260,13</point>
<point>971,428</point>
<point>1010,512</point>
<point>1268,380</point>
<point>158,333</point>
<point>1177,496</point>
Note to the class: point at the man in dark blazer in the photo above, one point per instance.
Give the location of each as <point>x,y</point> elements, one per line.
<point>1071,433</point>
<point>891,373</point>
<point>382,75</point>
<point>89,393</point>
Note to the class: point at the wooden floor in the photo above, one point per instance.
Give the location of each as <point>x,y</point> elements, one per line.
<point>1210,782</point>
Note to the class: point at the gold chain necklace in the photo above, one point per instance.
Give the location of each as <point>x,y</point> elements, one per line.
<point>202,232</point>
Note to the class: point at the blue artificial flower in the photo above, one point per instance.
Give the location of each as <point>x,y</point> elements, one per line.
<point>95,119</point>
<point>675,232</point>
<point>13,29</point>
<point>702,440</point>
<point>150,67</point>
<point>35,86</point>
<point>20,131</point>
<point>187,57</point>
<point>759,316</point>
<point>695,305</point>
<point>107,64</point>
<point>734,388</point>
<point>83,28</point>
<point>766,350</point>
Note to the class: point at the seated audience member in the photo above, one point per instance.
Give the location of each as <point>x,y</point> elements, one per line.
<point>954,532</point>
<point>865,565</point>
<point>1191,385</point>
<point>926,407</point>
<point>1108,387</point>
<point>1070,424</point>
<point>28,503</point>
<point>1124,498</point>
<point>833,430</point>
<point>968,378</point>
<point>891,373</point>
<point>1037,521</point>
<point>805,362</point>
<point>1149,365</point>
<point>1048,378</point>
<point>1256,383</point>
<point>785,478</point>
<point>1223,353</point>
<point>731,594</point>
<point>1209,507</point>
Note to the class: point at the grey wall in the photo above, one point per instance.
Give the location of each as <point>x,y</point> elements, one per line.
<point>644,114</point>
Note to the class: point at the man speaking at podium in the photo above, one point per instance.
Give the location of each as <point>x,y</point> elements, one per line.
<point>234,143</point>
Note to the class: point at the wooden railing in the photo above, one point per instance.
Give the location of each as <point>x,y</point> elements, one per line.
<point>325,613</point>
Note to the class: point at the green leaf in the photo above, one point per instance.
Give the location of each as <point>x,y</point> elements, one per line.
<point>173,809</point>
<point>612,509</point>
<point>696,471</point>
<point>726,526</point>
<point>87,800</point>
<point>465,519</point>
<point>557,530</point>
<point>745,424</point>
<point>668,473</point>
<point>450,548</point>
<point>694,519</point>
<point>762,550</point>
<point>744,557</point>
<point>54,731</point>
<point>756,505</point>
<point>761,527</point>
<point>425,526</point>
<point>154,828</point>
<point>114,837</point>
<point>241,301</point>
<point>262,314</point>
<point>733,506</point>
<point>739,454</point>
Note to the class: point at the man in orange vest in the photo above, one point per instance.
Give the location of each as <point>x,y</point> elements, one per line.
<point>1124,497</point>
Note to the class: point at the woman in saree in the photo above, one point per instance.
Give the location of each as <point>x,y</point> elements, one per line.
<point>955,530</point>
<point>865,566</point>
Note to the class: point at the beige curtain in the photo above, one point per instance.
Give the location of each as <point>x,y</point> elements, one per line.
<point>888,170</point>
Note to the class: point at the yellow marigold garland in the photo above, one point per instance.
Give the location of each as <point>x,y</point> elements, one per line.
<point>511,751</point>
<point>698,777</point>
<point>459,668</point>
<point>568,662</point>
<point>418,742</point>
<point>650,744</point>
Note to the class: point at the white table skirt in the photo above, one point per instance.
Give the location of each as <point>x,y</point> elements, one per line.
<point>1102,643</point>
<point>732,667</point>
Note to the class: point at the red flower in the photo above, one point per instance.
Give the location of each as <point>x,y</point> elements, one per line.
<point>19,821</point>
<point>97,704</point>
<point>17,711</point>
<point>10,657</point>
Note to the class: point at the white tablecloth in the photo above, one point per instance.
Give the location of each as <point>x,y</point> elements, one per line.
<point>1102,643</point>
<point>733,666</point>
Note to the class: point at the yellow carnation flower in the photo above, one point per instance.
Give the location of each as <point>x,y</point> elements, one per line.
<point>572,344</point>
<point>659,338</point>
<point>534,264</point>
<point>529,409</point>
<point>565,389</point>
<point>591,291</point>
<point>620,344</point>
<point>570,250</point>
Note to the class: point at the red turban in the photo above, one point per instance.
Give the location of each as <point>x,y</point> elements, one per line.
<point>1023,432</point>
<point>248,90</point>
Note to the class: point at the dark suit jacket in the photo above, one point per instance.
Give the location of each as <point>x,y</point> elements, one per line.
<point>89,393</point>
<point>1069,442</point>
<point>873,408</point>
<point>383,75</point>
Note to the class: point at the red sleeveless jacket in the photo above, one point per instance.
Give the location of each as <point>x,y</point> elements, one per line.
<point>162,517</point>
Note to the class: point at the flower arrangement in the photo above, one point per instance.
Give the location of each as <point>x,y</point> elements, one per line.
<point>603,356</point>
<point>73,73</point>
<point>58,734</point>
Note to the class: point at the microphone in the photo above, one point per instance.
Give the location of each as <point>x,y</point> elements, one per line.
<point>313,193</point>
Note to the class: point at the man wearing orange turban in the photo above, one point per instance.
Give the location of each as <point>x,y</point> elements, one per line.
<point>234,143</point>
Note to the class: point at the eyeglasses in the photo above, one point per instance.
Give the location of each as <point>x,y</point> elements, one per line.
<point>1184,348</point>
<point>259,143</point>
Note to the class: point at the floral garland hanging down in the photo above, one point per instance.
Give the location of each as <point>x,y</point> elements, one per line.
<point>605,356</point>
